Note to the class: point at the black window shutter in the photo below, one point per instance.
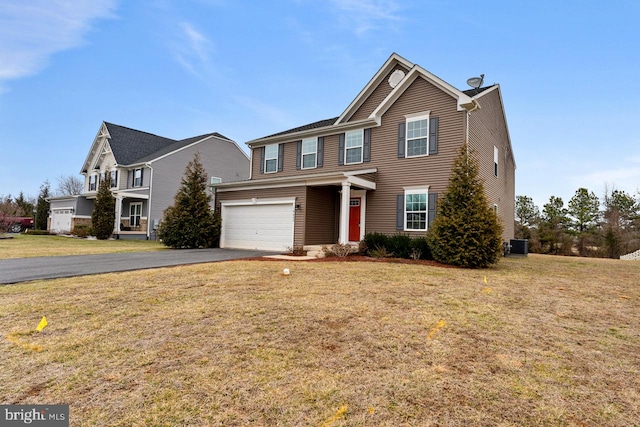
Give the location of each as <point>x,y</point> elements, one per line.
<point>433,135</point>
<point>320,155</point>
<point>299,155</point>
<point>400,212</point>
<point>280,156</point>
<point>366,152</point>
<point>341,149</point>
<point>141,177</point>
<point>401,139</point>
<point>261,149</point>
<point>432,208</point>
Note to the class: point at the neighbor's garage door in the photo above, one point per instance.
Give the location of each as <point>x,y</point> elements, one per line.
<point>261,226</point>
<point>61,220</point>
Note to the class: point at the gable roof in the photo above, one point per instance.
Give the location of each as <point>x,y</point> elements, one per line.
<point>465,99</point>
<point>131,146</point>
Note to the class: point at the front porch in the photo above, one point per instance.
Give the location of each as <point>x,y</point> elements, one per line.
<point>131,220</point>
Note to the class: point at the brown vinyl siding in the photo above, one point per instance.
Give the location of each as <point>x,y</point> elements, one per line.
<point>268,193</point>
<point>395,173</point>
<point>321,215</point>
<point>488,129</point>
<point>376,97</point>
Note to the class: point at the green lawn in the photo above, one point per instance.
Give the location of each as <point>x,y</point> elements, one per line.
<point>542,341</point>
<point>24,245</point>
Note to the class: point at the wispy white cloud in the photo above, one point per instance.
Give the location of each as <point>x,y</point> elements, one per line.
<point>366,15</point>
<point>193,50</point>
<point>625,178</point>
<point>32,31</point>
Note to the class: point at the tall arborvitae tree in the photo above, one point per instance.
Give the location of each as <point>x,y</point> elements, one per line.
<point>42,207</point>
<point>104,210</point>
<point>466,231</point>
<point>190,222</point>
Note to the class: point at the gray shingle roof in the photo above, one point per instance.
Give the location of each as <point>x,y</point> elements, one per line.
<point>474,92</point>
<point>130,146</point>
<point>314,125</point>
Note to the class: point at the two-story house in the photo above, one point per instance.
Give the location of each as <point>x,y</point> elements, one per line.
<point>146,172</point>
<point>378,167</point>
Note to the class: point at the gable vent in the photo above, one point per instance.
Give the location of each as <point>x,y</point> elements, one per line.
<point>395,78</point>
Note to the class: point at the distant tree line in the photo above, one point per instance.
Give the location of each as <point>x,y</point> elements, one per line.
<point>586,226</point>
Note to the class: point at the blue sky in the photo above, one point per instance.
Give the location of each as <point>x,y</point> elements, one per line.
<point>569,73</point>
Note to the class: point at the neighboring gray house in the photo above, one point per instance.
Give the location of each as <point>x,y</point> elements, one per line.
<point>146,172</point>
<point>378,167</point>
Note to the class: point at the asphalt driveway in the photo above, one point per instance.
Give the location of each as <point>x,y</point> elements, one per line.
<point>26,269</point>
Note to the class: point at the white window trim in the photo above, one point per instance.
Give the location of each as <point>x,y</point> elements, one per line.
<point>131,205</point>
<point>114,182</point>
<point>134,177</point>
<point>416,190</point>
<point>351,148</point>
<point>315,153</point>
<point>93,177</point>
<point>414,118</point>
<point>270,158</point>
<point>495,161</point>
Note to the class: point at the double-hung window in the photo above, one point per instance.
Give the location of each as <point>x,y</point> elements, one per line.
<point>135,213</point>
<point>271,158</point>
<point>417,136</point>
<point>137,177</point>
<point>93,182</point>
<point>415,209</point>
<point>495,160</point>
<point>114,178</point>
<point>353,147</point>
<point>309,153</point>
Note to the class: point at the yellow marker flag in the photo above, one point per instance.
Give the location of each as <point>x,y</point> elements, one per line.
<point>485,279</point>
<point>42,324</point>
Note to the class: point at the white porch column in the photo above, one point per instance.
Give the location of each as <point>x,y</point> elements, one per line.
<point>116,224</point>
<point>345,198</point>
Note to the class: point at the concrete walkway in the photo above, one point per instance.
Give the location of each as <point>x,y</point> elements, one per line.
<point>26,269</point>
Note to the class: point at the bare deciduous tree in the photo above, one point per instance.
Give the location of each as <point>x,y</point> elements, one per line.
<point>69,185</point>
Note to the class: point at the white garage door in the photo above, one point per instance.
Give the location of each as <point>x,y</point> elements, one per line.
<point>61,220</point>
<point>261,226</point>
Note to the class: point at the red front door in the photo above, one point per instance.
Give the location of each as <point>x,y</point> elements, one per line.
<point>354,219</point>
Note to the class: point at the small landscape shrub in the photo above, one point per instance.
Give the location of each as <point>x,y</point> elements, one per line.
<point>400,245</point>
<point>81,230</point>
<point>296,250</point>
<point>340,250</point>
<point>380,253</point>
<point>374,241</point>
<point>421,245</point>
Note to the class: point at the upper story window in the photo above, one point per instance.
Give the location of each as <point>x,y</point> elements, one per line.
<point>309,153</point>
<point>114,178</point>
<point>353,147</point>
<point>271,158</point>
<point>495,160</point>
<point>137,177</point>
<point>417,136</point>
<point>93,182</point>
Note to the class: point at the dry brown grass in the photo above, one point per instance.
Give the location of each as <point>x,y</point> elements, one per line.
<point>28,246</point>
<point>545,341</point>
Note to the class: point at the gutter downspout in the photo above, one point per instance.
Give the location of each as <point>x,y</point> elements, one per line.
<point>149,220</point>
<point>476,106</point>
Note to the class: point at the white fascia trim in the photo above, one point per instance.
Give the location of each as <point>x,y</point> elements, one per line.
<point>102,132</point>
<point>63,208</point>
<point>323,131</point>
<point>259,201</point>
<point>463,101</point>
<point>373,84</point>
<point>131,195</point>
<point>362,182</point>
<point>296,181</point>
<point>60,198</point>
